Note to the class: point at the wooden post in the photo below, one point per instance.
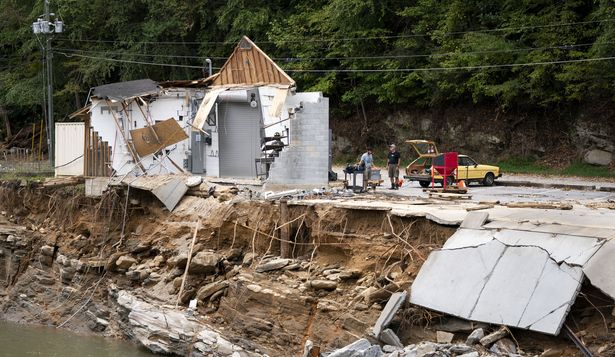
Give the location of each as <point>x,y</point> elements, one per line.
<point>181,288</point>
<point>285,250</point>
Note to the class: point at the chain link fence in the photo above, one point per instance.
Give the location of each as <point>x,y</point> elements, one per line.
<point>22,162</point>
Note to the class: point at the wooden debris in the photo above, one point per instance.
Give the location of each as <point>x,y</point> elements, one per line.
<point>539,205</point>
<point>63,181</point>
<point>479,207</point>
<point>446,195</point>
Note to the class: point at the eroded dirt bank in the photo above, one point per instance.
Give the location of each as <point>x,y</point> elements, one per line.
<point>114,266</point>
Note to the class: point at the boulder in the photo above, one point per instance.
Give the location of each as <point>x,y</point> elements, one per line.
<point>178,261</point>
<point>273,264</point>
<point>322,284</point>
<point>210,289</point>
<point>125,262</point>
<point>475,336</point>
<point>204,263</point>
<point>444,337</point>
<point>47,250</point>
<point>598,157</point>
<point>248,259</point>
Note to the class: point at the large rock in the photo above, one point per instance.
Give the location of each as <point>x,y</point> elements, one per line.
<point>210,289</point>
<point>598,157</point>
<point>273,264</point>
<point>125,262</point>
<point>170,332</point>
<point>322,284</point>
<point>204,263</point>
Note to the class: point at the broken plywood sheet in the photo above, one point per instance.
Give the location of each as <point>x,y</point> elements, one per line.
<point>574,250</point>
<point>495,283</point>
<point>601,268</point>
<point>155,138</point>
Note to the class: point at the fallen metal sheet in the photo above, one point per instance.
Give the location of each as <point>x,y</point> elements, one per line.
<point>126,90</point>
<point>205,108</point>
<point>574,250</point>
<point>495,283</point>
<point>169,189</point>
<point>157,137</point>
<point>600,269</point>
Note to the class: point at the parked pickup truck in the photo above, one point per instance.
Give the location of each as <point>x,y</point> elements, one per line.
<point>468,169</point>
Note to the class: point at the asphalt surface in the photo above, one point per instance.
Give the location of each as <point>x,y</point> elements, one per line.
<point>515,189</point>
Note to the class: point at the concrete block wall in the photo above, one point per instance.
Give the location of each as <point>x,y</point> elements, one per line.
<point>305,162</point>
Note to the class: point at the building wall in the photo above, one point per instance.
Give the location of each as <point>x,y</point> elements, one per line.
<point>305,162</point>
<point>173,104</point>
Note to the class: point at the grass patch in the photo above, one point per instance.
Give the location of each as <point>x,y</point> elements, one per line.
<point>577,168</point>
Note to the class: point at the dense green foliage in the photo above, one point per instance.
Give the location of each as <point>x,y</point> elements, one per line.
<point>112,40</point>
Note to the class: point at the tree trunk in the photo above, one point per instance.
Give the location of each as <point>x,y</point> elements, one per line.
<point>5,119</point>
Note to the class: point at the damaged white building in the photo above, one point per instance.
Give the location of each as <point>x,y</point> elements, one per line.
<point>246,121</point>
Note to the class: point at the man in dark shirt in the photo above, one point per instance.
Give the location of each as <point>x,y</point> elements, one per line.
<point>393,165</point>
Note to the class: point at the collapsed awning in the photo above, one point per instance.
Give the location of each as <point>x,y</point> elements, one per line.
<point>126,90</point>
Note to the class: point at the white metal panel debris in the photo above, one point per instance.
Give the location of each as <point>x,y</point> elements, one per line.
<point>206,106</point>
<point>69,148</point>
<point>169,189</point>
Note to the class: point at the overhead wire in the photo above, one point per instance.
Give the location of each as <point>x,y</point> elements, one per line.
<point>347,39</point>
<point>369,70</point>
<point>299,59</point>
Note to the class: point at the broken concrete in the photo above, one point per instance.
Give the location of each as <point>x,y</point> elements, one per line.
<point>496,283</point>
<point>388,313</point>
<point>474,219</point>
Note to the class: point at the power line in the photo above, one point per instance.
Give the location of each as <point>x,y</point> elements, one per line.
<point>137,54</point>
<point>346,39</point>
<point>299,59</point>
<point>127,61</point>
<point>508,65</point>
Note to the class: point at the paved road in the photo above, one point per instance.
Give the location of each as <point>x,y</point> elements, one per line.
<point>514,194</point>
<point>517,193</point>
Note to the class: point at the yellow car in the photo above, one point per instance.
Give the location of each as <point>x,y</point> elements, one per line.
<point>468,169</point>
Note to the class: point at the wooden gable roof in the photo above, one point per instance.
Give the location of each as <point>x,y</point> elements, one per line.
<point>249,65</point>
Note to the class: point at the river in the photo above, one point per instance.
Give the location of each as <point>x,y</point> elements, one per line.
<point>21,340</point>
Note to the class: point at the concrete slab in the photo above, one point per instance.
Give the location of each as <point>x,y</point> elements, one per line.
<point>449,282</point>
<point>390,338</point>
<point>464,237</point>
<point>494,283</point>
<point>475,219</point>
<point>600,269</point>
<point>574,250</point>
<point>389,311</point>
<point>558,228</point>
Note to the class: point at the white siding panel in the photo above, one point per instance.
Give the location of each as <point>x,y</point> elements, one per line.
<point>69,148</point>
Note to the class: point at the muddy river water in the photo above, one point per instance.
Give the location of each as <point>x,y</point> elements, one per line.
<point>20,340</point>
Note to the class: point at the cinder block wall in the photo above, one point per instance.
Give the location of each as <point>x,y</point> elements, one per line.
<point>305,162</point>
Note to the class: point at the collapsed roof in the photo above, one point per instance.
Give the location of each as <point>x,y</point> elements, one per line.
<point>126,90</point>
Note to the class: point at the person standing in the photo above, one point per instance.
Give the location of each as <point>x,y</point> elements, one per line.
<point>393,165</point>
<point>367,162</point>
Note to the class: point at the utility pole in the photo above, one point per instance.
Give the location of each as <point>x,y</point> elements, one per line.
<point>43,26</point>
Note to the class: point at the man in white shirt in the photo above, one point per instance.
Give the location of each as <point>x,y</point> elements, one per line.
<point>367,161</point>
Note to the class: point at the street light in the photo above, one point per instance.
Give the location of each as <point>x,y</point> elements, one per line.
<point>45,27</point>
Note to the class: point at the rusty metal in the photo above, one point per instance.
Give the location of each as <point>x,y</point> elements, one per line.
<point>577,341</point>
